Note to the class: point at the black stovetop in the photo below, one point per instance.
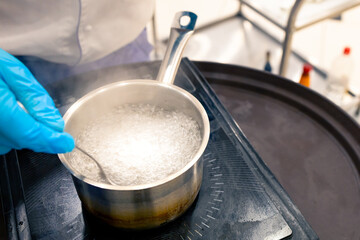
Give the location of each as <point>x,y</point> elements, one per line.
<point>239,197</point>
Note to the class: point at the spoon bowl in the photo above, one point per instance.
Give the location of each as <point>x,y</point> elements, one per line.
<point>101,170</point>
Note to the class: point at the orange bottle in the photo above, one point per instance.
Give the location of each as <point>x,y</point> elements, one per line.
<point>305,76</point>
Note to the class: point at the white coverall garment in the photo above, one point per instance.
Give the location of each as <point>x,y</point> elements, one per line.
<point>71,31</point>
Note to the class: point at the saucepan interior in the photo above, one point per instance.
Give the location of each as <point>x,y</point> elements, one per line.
<point>105,99</point>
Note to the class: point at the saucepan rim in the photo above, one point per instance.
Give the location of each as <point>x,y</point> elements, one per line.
<point>205,136</point>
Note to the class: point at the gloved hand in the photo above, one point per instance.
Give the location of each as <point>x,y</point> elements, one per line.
<point>41,129</point>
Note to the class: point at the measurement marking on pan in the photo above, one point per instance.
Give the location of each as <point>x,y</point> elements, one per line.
<point>77,236</point>
<point>198,226</point>
<point>205,225</point>
<point>73,223</point>
<point>207,154</point>
<point>182,237</point>
<point>198,233</point>
<point>188,237</point>
<point>190,232</point>
<point>216,183</point>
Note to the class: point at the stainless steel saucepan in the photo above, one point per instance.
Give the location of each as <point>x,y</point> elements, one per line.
<point>149,205</point>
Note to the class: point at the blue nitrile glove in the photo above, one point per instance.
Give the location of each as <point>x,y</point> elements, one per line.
<point>41,129</point>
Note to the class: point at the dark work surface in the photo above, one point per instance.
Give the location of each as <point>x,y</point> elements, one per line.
<point>239,197</point>
<point>311,146</point>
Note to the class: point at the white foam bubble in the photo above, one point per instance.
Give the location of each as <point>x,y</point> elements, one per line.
<point>137,144</point>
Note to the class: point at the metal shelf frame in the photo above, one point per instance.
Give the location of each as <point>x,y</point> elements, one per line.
<point>291,28</point>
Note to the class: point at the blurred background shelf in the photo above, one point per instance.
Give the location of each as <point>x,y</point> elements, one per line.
<point>224,36</point>
<point>311,11</point>
<point>291,16</point>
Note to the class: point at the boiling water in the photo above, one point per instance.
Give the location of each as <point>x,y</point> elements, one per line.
<point>137,144</point>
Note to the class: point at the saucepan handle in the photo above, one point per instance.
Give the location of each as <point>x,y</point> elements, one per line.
<point>182,28</point>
